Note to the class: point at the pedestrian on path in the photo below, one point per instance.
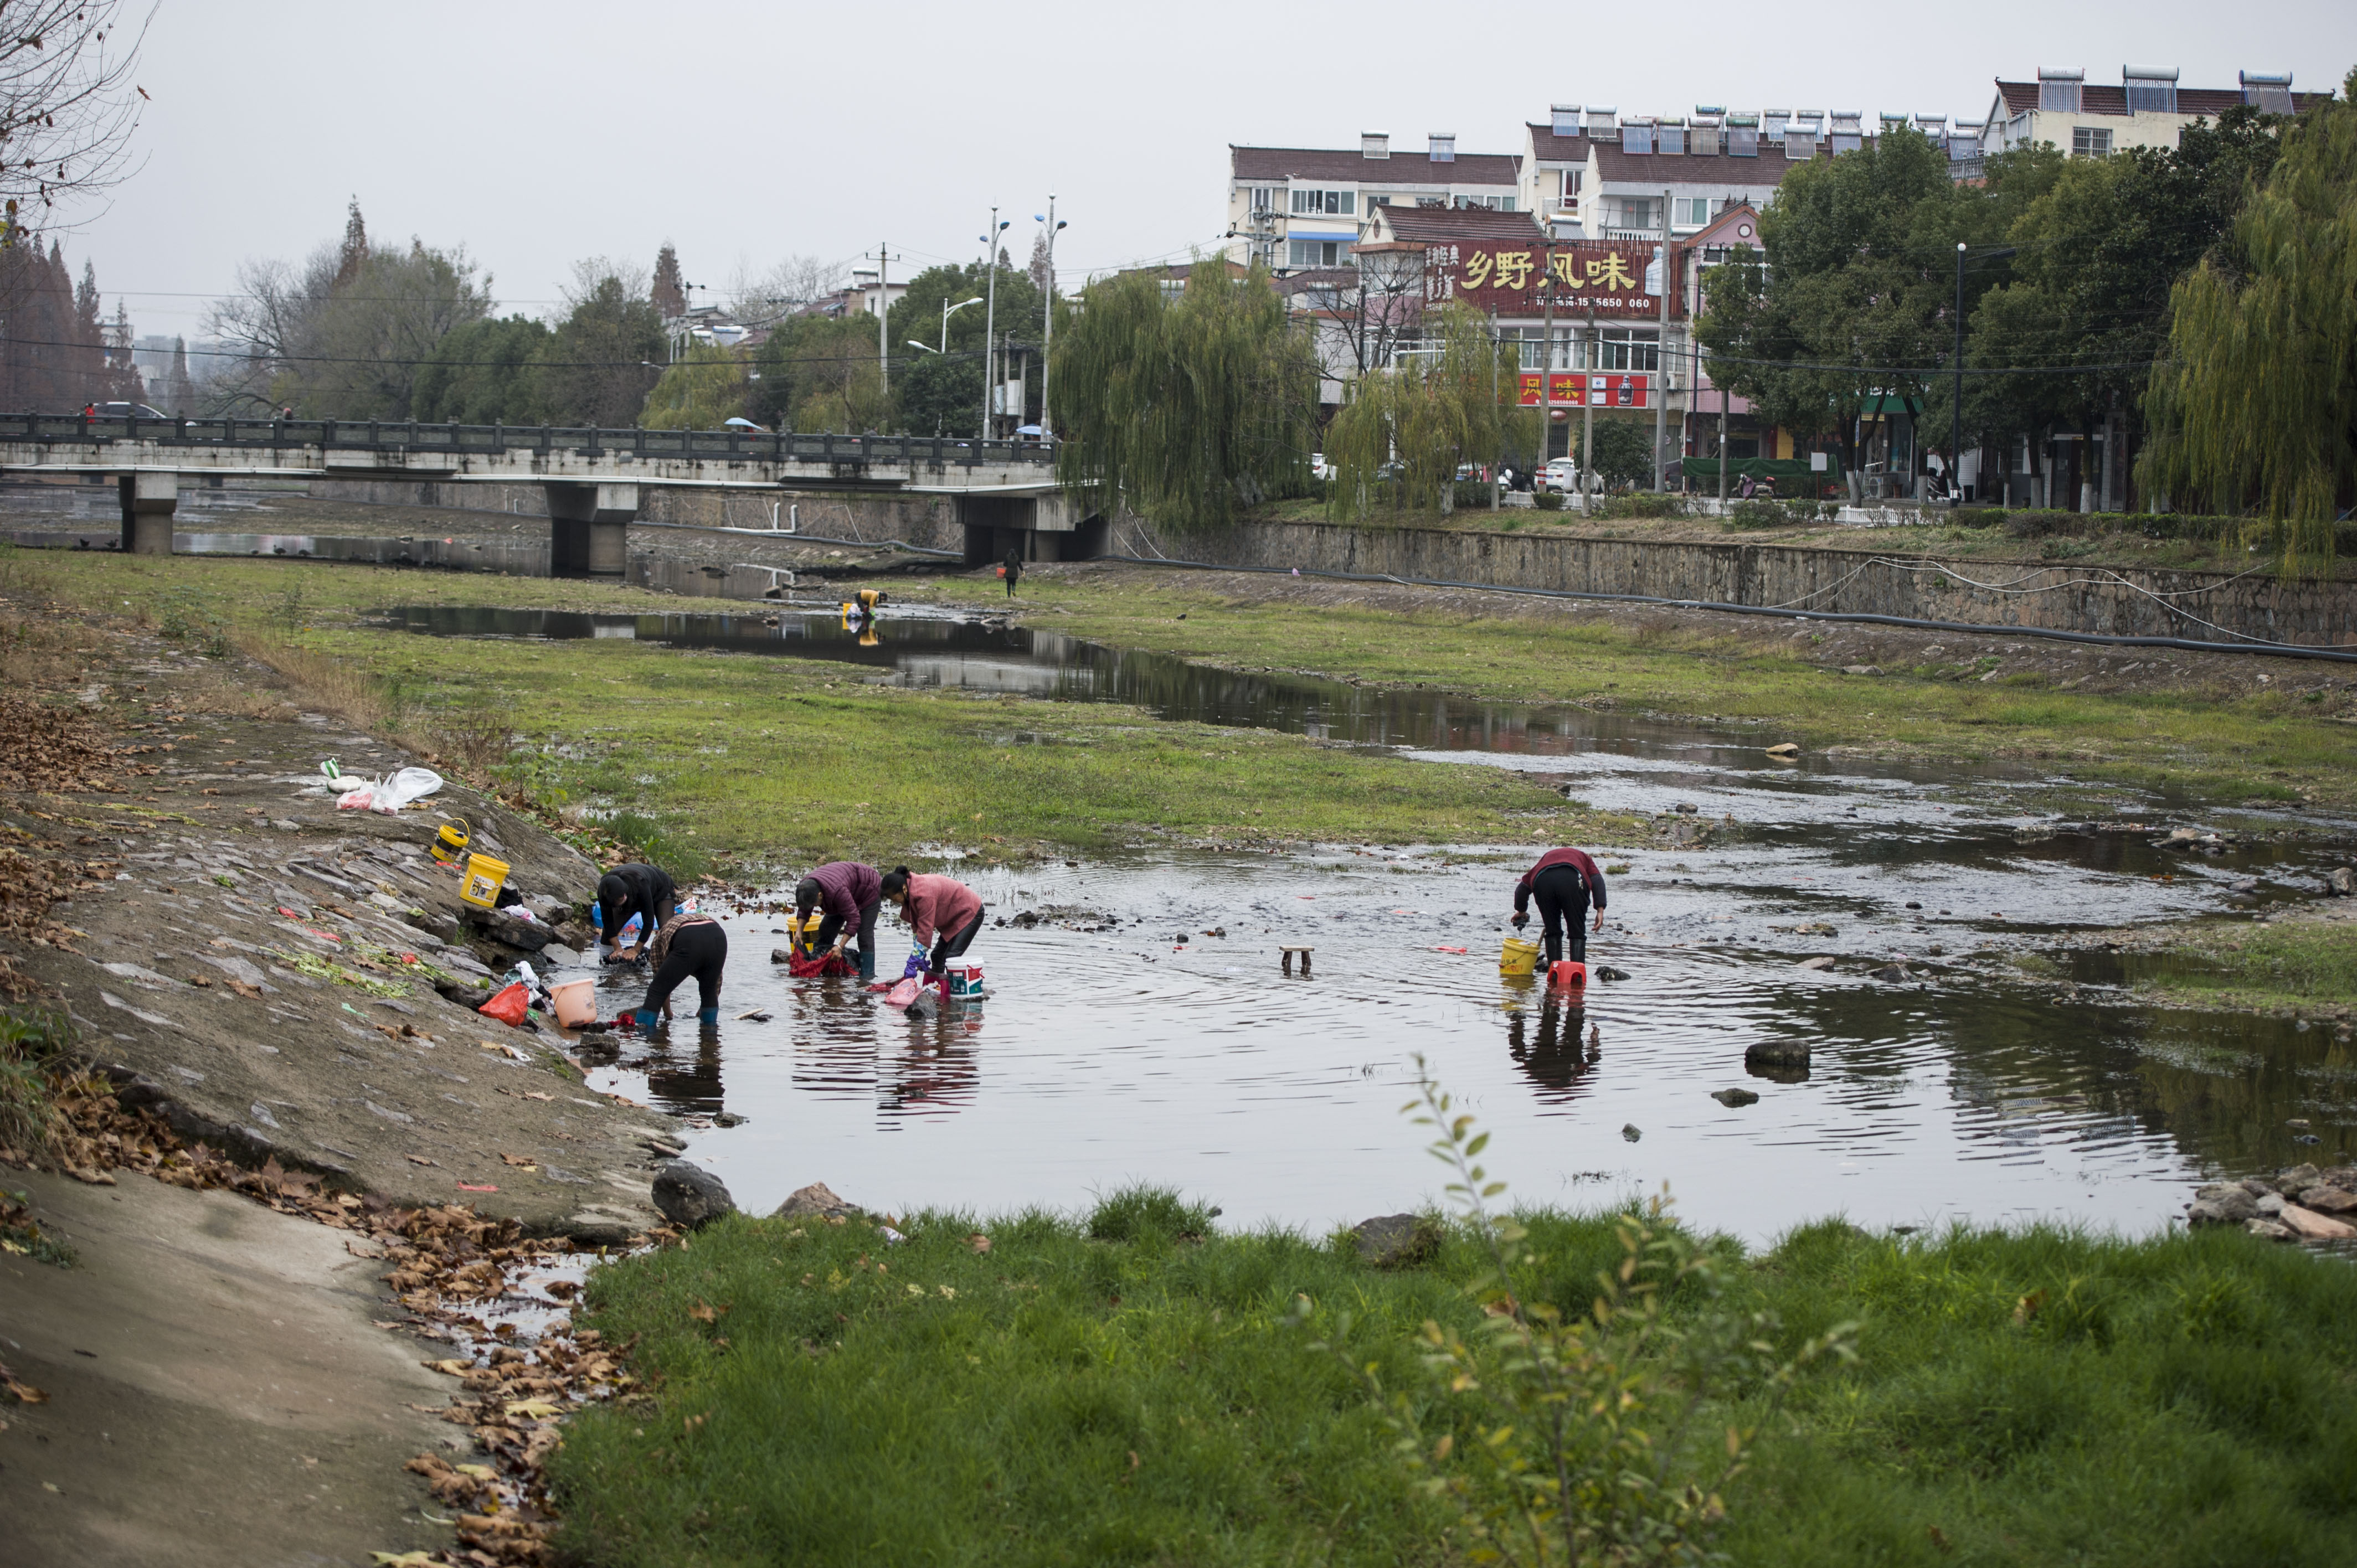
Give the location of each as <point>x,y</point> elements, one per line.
<point>1012,569</point>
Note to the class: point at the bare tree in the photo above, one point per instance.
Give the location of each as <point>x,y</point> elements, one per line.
<point>67,105</point>
<point>755,295</point>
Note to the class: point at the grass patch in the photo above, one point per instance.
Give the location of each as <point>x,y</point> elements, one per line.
<point>2289,966</point>
<point>1071,1397</point>
<point>2228,745</point>
<point>708,758</point>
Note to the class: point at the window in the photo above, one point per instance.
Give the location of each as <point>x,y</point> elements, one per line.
<point>1636,139</point>
<point>2087,141</point>
<point>2058,92</point>
<point>1691,211</point>
<point>1639,212</point>
<point>1264,199</point>
<point>2151,92</point>
<point>1571,177</point>
<point>1625,349</point>
<point>1317,253</point>
<point>1742,142</point>
<point>1321,202</point>
<point>1669,139</point>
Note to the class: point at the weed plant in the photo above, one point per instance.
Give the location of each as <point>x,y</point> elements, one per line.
<point>33,1041</point>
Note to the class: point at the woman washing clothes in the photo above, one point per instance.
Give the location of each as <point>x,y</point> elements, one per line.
<point>646,891</point>
<point>1564,881</point>
<point>687,945</point>
<point>852,895</point>
<point>942,910</point>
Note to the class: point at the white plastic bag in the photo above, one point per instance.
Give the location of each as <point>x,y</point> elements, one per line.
<point>391,794</point>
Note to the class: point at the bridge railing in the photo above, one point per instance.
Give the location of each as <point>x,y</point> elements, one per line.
<point>401,438</point>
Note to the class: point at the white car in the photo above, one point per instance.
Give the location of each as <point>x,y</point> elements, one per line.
<point>1560,474</point>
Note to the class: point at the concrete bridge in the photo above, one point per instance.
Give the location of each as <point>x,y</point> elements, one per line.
<point>1005,491</point>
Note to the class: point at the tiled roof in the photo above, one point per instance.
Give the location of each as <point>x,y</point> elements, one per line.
<point>1548,147</point>
<point>1349,164</point>
<point>1721,169</point>
<point>2097,98</point>
<point>1432,225</point>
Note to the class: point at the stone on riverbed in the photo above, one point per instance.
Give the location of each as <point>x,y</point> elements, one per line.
<point>816,1201</point>
<point>690,1195</point>
<point>1396,1241</point>
<point>2298,1179</point>
<point>2329,1200</point>
<point>2222,1203</point>
<point>1776,1053</point>
<point>2309,1226</point>
<point>1733,1098</point>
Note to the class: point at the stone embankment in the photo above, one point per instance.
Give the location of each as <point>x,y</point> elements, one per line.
<point>2301,1204</point>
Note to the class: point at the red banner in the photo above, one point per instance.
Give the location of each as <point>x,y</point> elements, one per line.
<point>1616,279</point>
<point>1605,389</point>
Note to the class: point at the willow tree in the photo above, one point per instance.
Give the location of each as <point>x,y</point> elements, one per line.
<point>704,387</point>
<point>1453,401</point>
<point>1184,404</point>
<point>2253,407</point>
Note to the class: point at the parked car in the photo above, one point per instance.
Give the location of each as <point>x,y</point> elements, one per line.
<point>1560,474</point>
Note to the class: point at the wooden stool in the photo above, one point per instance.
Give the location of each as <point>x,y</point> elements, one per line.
<point>1288,952</point>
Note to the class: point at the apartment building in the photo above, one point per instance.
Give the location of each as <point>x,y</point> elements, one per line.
<point>2147,109</point>
<point>1592,174</point>
<point>1296,207</point>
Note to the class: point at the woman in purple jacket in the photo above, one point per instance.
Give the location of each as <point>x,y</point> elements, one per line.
<point>851,895</point>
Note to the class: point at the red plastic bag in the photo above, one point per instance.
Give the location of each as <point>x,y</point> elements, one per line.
<point>821,967</point>
<point>902,995</point>
<point>508,1007</point>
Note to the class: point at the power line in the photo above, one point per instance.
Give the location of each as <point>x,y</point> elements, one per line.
<point>473,364</point>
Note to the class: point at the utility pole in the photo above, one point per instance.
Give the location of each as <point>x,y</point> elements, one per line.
<point>1588,414</point>
<point>990,321</point>
<point>1661,361</point>
<point>1048,326</point>
<point>883,311</point>
<point>1497,452</point>
<point>1546,358</point>
<point>1957,410</point>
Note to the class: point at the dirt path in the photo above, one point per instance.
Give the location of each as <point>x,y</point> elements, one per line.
<point>219,1389</point>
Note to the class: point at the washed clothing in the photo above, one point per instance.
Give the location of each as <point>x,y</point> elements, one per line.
<point>645,891</point>
<point>688,945</point>
<point>938,904</point>
<point>863,924</point>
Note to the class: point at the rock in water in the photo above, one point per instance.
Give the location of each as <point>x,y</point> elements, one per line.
<point>816,1201</point>
<point>598,1048</point>
<point>2343,882</point>
<point>1605,971</point>
<point>1776,1053</point>
<point>2298,1179</point>
<point>1629,1130</point>
<point>2224,1203</point>
<point>2312,1227</point>
<point>690,1195</point>
<point>1734,1098</point>
<point>1396,1241</point>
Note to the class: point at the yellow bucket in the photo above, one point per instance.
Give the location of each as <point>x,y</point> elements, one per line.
<point>804,932</point>
<point>452,839</point>
<point>485,877</point>
<point>1520,957</point>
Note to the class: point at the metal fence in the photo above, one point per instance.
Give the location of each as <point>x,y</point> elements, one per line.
<point>493,440</point>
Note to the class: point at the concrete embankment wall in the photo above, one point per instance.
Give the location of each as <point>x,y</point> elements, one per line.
<point>1854,580</point>
<point>919,520</point>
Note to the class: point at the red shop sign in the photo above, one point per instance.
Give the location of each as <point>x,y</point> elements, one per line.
<point>1605,389</point>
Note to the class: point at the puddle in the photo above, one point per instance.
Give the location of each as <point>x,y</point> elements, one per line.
<point>1103,1057</point>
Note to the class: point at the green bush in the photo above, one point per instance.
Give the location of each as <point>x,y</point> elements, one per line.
<point>1641,503</point>
<point>1547,500</point>
<point>1468,494</point>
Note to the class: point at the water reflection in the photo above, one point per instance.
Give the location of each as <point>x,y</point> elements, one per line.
<point>1553,1053</point>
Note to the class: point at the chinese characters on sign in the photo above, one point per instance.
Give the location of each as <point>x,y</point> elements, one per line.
<point>1609,279</point>
<point>1605,389</point>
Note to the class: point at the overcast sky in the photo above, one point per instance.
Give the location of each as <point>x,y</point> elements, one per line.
<point>535,133</point>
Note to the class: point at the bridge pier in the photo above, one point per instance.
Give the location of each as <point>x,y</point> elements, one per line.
<point>1050,527</point>
<point>588,523</point>
<point>149,501</point>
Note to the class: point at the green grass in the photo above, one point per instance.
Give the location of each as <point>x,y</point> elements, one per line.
<point>2290,966</point>
<point>2226,745</point>
<point>735,757</point>
<point>1104,1389</point>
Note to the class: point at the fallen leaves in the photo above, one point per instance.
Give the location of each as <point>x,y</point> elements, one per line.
<point>520,1162</point>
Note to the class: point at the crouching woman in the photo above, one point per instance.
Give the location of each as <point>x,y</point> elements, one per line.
<point>942,912</point>
<point>688,945</point>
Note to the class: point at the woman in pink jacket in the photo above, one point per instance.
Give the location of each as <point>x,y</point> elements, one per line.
<point>945,912</point>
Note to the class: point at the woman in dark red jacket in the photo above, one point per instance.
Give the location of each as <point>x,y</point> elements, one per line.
<point>1564,881</point>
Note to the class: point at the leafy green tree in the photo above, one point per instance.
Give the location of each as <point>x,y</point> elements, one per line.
<point>484,373</point>
<point>940,396</point>
<point>2255,405</point>
<point>1624,453</point>
<point>2100,247</point>
<point>820,373</point>
<point>699,392</point>
<point>1187,405</point>
<point>1429,415</point>
<point>1851,298</point>
<point>917,315</point>
<point>605,356</point>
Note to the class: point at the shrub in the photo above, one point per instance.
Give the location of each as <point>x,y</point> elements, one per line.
<point>1547,500</point>
<point>1470,493</point>
<point>1642,503</point>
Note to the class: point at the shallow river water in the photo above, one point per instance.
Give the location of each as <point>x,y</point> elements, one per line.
<point>1109,1050</point>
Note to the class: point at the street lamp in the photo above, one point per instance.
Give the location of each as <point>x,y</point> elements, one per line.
<point>949,310</point>
<point>990,316</point>
<point>1048,316</point>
